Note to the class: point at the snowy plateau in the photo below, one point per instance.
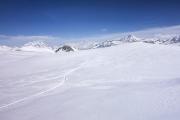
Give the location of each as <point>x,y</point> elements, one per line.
<point>127,79</point>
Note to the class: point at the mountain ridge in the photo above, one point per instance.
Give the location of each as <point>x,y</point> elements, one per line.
<point>41,46</point>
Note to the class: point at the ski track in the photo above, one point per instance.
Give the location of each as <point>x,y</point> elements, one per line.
<point>65,78</point>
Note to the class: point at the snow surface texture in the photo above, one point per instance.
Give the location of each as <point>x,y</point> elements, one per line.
<point>131,81</point>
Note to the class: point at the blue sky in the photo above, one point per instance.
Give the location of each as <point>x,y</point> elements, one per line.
<point>81,18</point>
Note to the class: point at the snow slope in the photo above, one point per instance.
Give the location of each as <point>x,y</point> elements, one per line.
<point>131,81</point>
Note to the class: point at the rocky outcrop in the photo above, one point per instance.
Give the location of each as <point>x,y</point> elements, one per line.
<point>65,48</point>
<point>130,38</point>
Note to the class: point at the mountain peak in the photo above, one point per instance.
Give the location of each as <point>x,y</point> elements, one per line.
<point>37,44</point>
<point>130,38</point>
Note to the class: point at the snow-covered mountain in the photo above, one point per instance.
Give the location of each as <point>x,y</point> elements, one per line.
<point>39,46</point>
<point>108,43</point>
<point>130,38</point>
<point>169,40</point>
<point>129,81</point>
<point>134,77</point>
<point>35,46</point>
<point>173,40</point>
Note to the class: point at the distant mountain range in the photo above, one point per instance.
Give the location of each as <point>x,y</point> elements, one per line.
<point>39,46</point>
<point>132,38</point>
